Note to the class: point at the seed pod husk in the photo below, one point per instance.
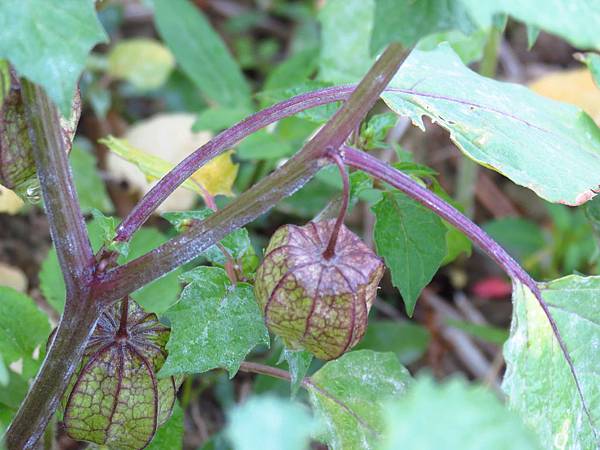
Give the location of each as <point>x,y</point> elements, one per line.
<point>17,166</point>
<point>312,302</point>
<point>116,399</point>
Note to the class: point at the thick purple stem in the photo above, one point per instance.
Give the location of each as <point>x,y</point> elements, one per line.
<point>384,172</point>
<point>123,280</point>
<point>67,226</point>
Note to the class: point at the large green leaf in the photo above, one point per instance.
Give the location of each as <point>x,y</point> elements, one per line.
<point>349,394</point>
<point>574,20</point>
<point>453,416</point>
<point>347,59</point>
<point>47,41</point>
<point>270,423</point>
<point>538,381</point>
<point>550,147</point>
<point>201,52</point>
<point>214,324</point>
<point>412,240</point>
<point>24,330</point>
<point>409,21</point>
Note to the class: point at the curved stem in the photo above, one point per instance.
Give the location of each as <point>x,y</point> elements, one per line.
<point>337,159</point>
<point>220,143</point>
<point>123,280</point>
<point>403,182</point>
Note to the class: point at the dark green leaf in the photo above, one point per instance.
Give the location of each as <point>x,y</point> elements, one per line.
<point>201,52</point>
<point>520,237</point>
<point>488,333</point>
<point>214,324</point>
<point>349,394</point>
<point>407,340</point>
<point>412,240</point>
<point>48,43</point>
<point>453,416</point>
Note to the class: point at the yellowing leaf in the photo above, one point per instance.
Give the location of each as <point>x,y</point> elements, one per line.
<point>571,86</point>
<point>10,202</point>
<point>145,63</point>
<point>13,277</point>
<point>161,142</point>
<point>217,176</point>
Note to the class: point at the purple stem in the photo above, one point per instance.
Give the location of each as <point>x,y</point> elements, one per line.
<point>337,159</point>
<point>220,143</point>
<point>384,172</point>
<point>67,226</point>
<point>290,177</point>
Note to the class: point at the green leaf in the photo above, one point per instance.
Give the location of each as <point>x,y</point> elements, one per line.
<point>348,59</point>
<point>574,20</point>
<point>547,146</point>
<point>270,423</point>
<point>407,340</point>
<point>468,47</point>
<point>201,52</point>
<point>592,61</point>
<point>170,435</point>
<point>453,416</point>
<point>487,333</point>
<point>374,132</point>
<point>521,237</point>
<point>237,243</point>
<point>408,21</point>
<point>298,363</point>
<point>294,70</point>
<point>538,380</point>
<point>48,43</point>
<point>90,187</point>
<point>263,145</point>
<point>412,241</point>
<point>349,395</point>
<point>108,231</point>
<point>145,63</point>
<point>214,324</point>
<point>24,330</point>
<point>4,80</point>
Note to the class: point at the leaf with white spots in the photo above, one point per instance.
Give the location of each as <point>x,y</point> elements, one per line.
<point>539,381</point>
<point>350,393</point>
<point>214,324</point>
<point>550,147</point>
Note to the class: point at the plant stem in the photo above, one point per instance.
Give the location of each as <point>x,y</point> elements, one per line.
<point>63,357</point>
<point>123,280</point>
<point>468,169</point>
<point>67,226</point>
<point>382,171</point>
<point>75,256</point>
<point>223,141</point>
<point>336,158</point>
